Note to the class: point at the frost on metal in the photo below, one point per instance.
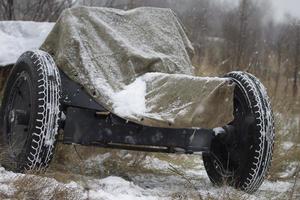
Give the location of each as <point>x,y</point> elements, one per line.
<point>137,64</point>
<point>218,131</point>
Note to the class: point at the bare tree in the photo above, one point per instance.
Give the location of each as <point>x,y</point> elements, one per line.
<point>243,28</point>
<point>280,42</point>
<point>7,9</point>
<point>35,10</point>
<point>296,56</point>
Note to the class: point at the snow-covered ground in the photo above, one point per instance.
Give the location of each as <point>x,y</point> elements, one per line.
<point>16,37</point>
<point>129,175</point>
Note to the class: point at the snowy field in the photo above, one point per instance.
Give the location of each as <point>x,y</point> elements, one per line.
<point>120,174</point>
<point>86,173</point>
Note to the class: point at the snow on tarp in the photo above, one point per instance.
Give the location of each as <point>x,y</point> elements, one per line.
<point>137,64</point>
<point>16,37</point>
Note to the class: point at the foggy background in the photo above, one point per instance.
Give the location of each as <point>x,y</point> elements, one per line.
<point>258,36</point>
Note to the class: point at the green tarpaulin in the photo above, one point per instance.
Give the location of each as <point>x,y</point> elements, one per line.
<point>137,64</point>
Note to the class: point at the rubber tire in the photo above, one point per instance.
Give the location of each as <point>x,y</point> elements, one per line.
<point>258,155</point>
<point>45,87</point>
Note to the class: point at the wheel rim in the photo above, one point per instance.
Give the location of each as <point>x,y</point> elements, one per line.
<point>228,158</point>
<point>17,116</point>
<point>243,120</point>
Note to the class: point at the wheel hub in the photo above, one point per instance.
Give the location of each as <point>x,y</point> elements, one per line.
<point>229,145</point>
<point>19,117</point>
<point>18,114</point>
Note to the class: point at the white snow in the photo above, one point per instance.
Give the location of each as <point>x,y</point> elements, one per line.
<point>16,37</point>
<point>116,188</point>
<point>278,186</point>
<point>155,163</point>
<point>109,188</point>
<point>290,170</point>
<point>99,159</point>
<point>287,145</point>
<point>5,181</point>
<point>131,100</point>
<point>218,130</point>
<point>43,186</point>
<point>144,186</point>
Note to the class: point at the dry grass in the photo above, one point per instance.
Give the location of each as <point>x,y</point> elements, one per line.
<point>287,129</point>
<point>85,161</point>
<point>32,187</point>
<point>70,163</point>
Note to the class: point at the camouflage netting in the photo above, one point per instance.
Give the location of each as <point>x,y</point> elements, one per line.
<point>137,64</point>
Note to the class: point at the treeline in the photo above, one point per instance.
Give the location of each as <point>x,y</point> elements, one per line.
<point>33,10</point>
<point>225,36</point>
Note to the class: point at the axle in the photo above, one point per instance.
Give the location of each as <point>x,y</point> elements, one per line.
<point>85,127</point>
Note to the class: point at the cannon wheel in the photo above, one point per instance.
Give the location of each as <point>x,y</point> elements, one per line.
<point>243,159</point>
<point>30,112</point>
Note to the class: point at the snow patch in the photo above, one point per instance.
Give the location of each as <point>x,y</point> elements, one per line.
<point>278,186</point>
<point>16,37</point>
<point>287,145</point>
<point>131,100</point>
<point>155,163</point>
<point>218,130</point>
<point>290,170</point>
<point>42,186</point>
<point>99,159</point>
<point>113,188</point>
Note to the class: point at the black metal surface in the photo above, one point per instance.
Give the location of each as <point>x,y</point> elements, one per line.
<point>17,113</point>
<point>74,95</point>
<point>84,126</point>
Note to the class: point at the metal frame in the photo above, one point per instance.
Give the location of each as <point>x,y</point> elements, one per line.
<point>88,123</point>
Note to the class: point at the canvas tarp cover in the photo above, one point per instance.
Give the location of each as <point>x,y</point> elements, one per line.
<point>137,65</point>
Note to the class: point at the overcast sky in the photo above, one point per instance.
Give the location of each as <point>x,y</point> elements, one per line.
<point>286,6</point>
<point>281,7</point>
